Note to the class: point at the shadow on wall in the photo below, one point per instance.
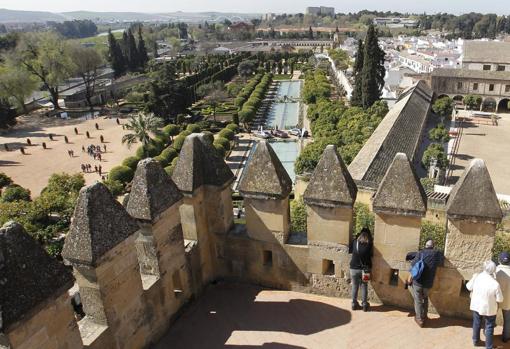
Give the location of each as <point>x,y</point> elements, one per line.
<point>226,308</point>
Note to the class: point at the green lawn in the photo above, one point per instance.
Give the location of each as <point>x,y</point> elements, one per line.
<point>282,77</point>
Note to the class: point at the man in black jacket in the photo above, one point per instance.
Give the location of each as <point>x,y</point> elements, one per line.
<point>432,258</point>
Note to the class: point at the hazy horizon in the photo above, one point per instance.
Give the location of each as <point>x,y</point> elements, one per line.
<point>261,6</point>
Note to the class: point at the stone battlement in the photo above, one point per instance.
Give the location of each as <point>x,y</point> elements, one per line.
<point>137,265</point>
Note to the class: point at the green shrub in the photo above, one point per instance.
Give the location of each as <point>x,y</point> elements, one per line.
<point>171,130</point>
<point>131,162</point>
<point>235,118</point>
<point>436,232</point>
<point>160,142</point>
<point>174,161</point>
<point>435,151</point>
<point>121,173</point>
<point>169,154</point>
<point>178,142</point>
<point>208,137</point>
<point>15,192</point>
<point>162,160</point>
<point>115,187</point>
<point>226,133</point>
<point>225,143</point>
<point>233,127</point>
<point>363,218</point>
<point>220,151</point>
<point>5,180</point>
<point>297,216</point>
<point>170,170</point>
<point>185,133</point>
<point>193,128</point>
<point>501,244</point>
<point>147,151</point>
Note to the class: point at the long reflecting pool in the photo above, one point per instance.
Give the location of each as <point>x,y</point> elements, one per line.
<point>284,112</point>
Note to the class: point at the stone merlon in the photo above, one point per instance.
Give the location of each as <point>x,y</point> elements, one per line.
<point>100,223</point>
<point>199,165</point>
<point>400,191</point>
<point>473,196</point>
<point>265,177</point>
<point>331,184</point>
<point>28,275</point>
<point>152,191</point>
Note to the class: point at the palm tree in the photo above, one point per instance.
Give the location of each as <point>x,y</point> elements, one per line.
<point>142,126</point>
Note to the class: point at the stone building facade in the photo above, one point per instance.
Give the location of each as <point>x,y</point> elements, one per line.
<point>137,265</point>
<point>485,72</point>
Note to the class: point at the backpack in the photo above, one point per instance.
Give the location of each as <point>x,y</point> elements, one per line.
<point>417,268</point>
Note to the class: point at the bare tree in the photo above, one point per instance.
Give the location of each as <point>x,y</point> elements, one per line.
<point>87,62</point>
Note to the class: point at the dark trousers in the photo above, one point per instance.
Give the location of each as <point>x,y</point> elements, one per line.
<point>490,323</point>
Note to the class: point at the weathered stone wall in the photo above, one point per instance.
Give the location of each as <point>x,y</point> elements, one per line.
<point>53,327</point>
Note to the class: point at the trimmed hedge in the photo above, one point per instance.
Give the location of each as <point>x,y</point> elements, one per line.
<point>208,137</point>
<point>115,187</point>
<point>193,128</point>
<point>171,130</point>
<point>178,142</point>
<point>225,143</point>
<point>162,160</point>
<point>121,173</point>
<point>226,133</point>
<point>169,154</point>
<point>148,151</point>
<point>220,150</point>
<point>131,162</point>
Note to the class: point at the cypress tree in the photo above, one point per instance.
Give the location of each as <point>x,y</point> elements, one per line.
<point>143,58</point>
<point>310,33</point>
<point>373,69</point>
<point>115,56</point>
<point>356,98</point>
<point>132,52</point>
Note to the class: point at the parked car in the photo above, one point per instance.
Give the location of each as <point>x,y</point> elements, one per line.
<point>295,132</point>
<point>262,134</point>
<point>281,134</point>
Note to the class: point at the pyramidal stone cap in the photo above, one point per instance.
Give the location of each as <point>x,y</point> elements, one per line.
<point>152,191</point>
<point>99,224</point>
<point>28,275</point>
<point>473,197</point>
<point>198,165</point>
<point>331,184</point>
<point>265,177</point>
<point>400,191</point>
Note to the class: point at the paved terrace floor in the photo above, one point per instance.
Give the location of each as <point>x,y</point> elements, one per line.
<point>243,316</point>
<point>492,144</point>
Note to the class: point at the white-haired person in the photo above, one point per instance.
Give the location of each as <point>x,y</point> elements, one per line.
<point>485,296</point>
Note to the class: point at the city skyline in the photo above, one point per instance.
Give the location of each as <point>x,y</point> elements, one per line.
<point>262,6</point>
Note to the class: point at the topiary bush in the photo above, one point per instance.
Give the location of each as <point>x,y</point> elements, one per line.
<point>15,192</point>
<point>225,143</point>
<point>121,173</point>
<point>193,128</point>
<point>131,162</point>
<point>171,130</point>
<point>185,133</point>
<point>115,187</point>
<point>148,151</point>
<point>178,142</point>
<point>208,137</point>
<point>162,160</point>
<point>297,216</point>
<point>226,133</point>
<point>169,154</point>
<point>220,151</point>
<point>5,180</point>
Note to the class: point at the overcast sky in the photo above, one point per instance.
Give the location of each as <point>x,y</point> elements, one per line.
<point>259,6</point>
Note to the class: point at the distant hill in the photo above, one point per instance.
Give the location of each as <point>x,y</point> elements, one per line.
<point>12,16</point>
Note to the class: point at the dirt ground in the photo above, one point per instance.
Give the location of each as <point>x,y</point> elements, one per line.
<point>490,143</point>
<point>33,169</point>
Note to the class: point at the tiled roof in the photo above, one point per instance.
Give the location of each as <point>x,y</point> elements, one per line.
<point>471,74</point>
<point>487,52</point>
<point>399,132</point>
